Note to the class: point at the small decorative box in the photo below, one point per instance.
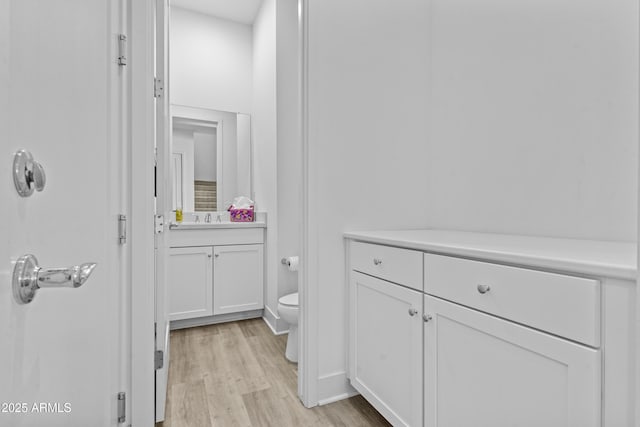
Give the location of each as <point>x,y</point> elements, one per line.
<point>241,214</point>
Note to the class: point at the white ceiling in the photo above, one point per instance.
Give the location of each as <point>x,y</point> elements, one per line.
<point>243,11</point>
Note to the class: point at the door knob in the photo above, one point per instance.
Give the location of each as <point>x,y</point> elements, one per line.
<point>28,175</point>
<point>28,277</point>
<point>483,289</point>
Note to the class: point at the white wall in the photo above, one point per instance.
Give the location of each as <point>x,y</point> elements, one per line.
<point>513,116</point>
<point>367,140</point>
<point>210,62</point>
<point>534,117</point>
<point>182,142</point>
<point>206,156</point>
<point>265,139</point>
<point>289,147</point>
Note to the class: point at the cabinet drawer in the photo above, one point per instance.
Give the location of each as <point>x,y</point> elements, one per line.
<point>402,266</point>
<point>563,305</point>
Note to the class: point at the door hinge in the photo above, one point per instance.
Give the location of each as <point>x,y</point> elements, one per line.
<point>122,407</point>
<point>122,229</point>
<point>159,224</point>
<point>122,50</point>
<point>158,359</point>
<point>158,88</point>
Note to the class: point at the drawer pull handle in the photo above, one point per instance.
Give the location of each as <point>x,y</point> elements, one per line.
<point>483,289</point>
<point>413,312</point>
<point>377,261</point>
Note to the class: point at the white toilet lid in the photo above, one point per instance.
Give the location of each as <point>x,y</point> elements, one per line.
<point>291,299</point>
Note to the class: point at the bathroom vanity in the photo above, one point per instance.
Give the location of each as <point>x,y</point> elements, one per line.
<point>215,272</point>
<point>466,329</point>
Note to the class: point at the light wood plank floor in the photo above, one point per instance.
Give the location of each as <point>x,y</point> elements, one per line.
<point>235,374</point>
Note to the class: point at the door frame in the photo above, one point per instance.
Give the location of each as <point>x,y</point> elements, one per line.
<point>308,270</point>
<point>142,132</point>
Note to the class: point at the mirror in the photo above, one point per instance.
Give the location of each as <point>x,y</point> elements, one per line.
<point>210,158</point>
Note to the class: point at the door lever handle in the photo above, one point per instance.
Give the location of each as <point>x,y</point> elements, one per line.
<point>28,277</point>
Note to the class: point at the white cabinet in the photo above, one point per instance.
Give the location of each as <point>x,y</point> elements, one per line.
<point>190,279</point>
<point>237,278</point>
<point>213,280</point>
<point>483,371</point>
<point>216,273</point>
<point>513,330</point>
<point>525,338</point>
<point>386,351</point>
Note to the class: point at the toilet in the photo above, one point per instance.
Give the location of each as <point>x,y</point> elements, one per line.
<point>288,311</point>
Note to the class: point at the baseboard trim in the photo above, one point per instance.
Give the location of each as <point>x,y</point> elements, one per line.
<point>334,387</point>
<point>275,323</point>
<point>211,320</point>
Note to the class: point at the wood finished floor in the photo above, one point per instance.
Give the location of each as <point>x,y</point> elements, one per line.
<point>235,374</point>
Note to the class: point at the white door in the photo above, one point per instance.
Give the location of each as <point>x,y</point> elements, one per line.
<point>238,278</point>
<point>190,282</point>
<point>386,347</point>
<point>503,374</point>
<point>164,189</point>
<point>62,355</point>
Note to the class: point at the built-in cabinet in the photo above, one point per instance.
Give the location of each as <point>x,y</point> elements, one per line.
<point>386,344</point>
<point>445,338</point>
<point>215,275</point>
<point>484,371</point>
<point>190,290</point>
<point>237,278</point>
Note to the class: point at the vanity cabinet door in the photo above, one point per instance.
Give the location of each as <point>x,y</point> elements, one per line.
<point>190,282</point>
<point>483,371</point>
<point>238,278</point>
<point>385,353</point>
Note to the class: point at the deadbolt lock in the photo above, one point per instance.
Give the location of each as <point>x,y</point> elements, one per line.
<point>28,175</point>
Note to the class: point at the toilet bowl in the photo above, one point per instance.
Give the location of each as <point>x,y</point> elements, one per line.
<point>288,311</point>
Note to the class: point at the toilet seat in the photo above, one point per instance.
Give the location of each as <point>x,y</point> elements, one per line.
<point>290,300</point>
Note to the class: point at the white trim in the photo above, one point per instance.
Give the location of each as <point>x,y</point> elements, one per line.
<point>334,387</point>
<point>308,343</point>
<point>120,184</point>
<point>637,305</point>
<point>162,201</point>
<point>275,323</point>
<point>637,311</point>
<point>141,165</point>
<point>212,320</point>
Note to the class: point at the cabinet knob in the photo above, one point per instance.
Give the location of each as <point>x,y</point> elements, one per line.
<point>377,261</point>
<point>209,255</point>
<point>217,255</point>
<point>426,317</point>
<point>483,289</point>
<point>413,312</point>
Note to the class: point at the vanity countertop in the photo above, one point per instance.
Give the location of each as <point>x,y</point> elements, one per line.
<point>214,224</point>
<point>590,257</point>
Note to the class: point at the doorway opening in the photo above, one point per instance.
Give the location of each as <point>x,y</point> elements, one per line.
<point>219,133</point>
